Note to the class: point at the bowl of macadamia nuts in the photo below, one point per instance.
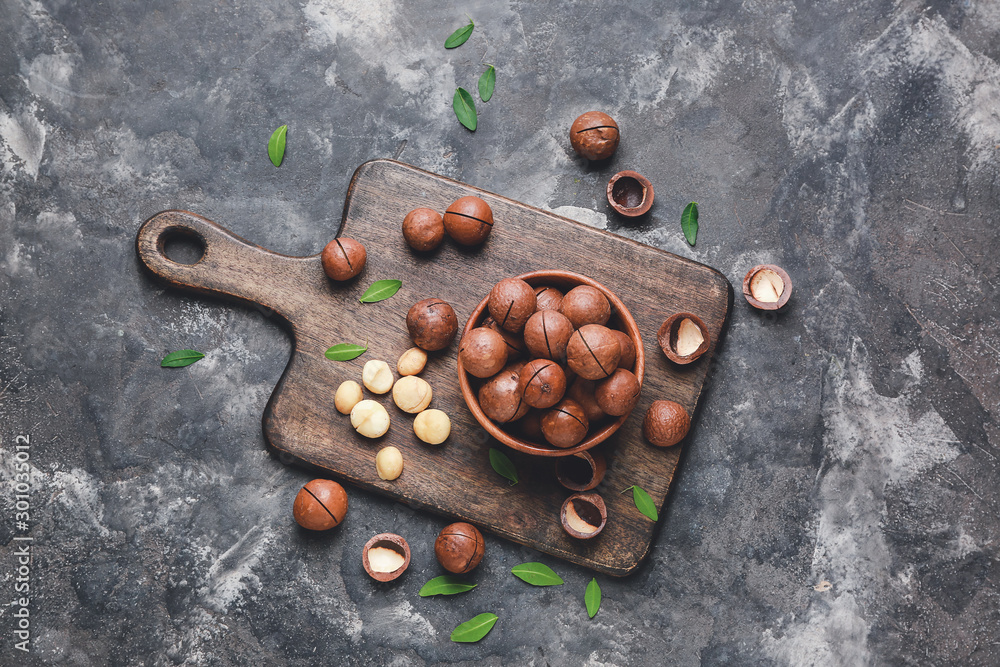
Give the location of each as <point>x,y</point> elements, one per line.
<point>551,363</point>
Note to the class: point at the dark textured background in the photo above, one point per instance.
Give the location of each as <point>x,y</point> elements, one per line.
<point>852,439</point>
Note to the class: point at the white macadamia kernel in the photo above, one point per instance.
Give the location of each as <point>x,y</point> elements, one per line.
<point>689,338</point>
<point>411,362</point>
<point>432,426</point>
<point>383,559</point>
<point>412,394</point>
<point>389,464</point>
<point>348,395</point>
<point>370,419</point>
<point>377,376</point>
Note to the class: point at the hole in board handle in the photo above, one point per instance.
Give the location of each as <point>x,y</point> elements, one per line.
<point>181,246</point>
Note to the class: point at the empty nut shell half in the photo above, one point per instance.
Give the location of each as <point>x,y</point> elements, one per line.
<point>767,287</point>
<point>385,556</point>
<point>684,338</point>
<point>584,515</point>
<point>581,472</point>
<point>630,193</point>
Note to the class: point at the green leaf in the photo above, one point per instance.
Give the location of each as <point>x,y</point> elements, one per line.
<point>536,574</point>
<point>465,108</point>
<point>381,290</point>
<point>475,629</point>
<point>643,502</point>
<point>487,82</point>
<point>276,145</point>
<point>445,585</point>
<point>346,351</point>
<point>503,465</point>
<point>689,222</point>
<point>592,598</point>
<point>460,36</point>
<point>181,358</point>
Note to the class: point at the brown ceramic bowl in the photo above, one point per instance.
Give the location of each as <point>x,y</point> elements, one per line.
<point>620,318</point>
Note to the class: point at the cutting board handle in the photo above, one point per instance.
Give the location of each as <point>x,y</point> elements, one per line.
<point>229,265</point>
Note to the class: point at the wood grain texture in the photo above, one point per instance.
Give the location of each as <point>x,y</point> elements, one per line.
<point>453,479</point>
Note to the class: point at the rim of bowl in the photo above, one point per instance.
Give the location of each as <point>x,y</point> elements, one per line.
<point>535,279</point>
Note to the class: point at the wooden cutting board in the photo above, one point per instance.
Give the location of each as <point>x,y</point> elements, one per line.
<point>454,479</point>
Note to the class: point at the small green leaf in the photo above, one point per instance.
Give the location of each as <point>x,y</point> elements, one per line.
<point>445,585</point>
<point>181,358</point>
<point>460,36</point>
<point>276,145</point>
<point>487,82</point>
<point>475,629</point>
<point>592,598</point>
<point>381,290</point>
<point>643,502</point>
<point>503,465</point>
<point>346,351</point>
<point>536,574</point>
<point>465,108</point>
<point>689,222</point>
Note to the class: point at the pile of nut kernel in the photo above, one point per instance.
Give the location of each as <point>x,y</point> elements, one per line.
<point>432,324</point>
<point>578,370</point>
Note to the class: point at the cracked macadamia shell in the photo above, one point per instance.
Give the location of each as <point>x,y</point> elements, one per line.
<point>469,220</point>
<point>343,258</point>
<point>459,547</point>
<point>767,287</point>
<point>683,337</point>
<point>320,505</point>
<point>512,302</point>
<point>565,424</point>
<point>546,334</point>
<point>584,515</point>
<point>593,352</point>
<point>594,135</point>
<point>542,383</point>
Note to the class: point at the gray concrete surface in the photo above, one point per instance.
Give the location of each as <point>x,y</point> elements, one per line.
<point>851,440</point>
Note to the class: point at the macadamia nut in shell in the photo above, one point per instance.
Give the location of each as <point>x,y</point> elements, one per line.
<point>469,220</point>
<point>459,547</point>
<point>482,352</point>
<point>666,423</point>
<point>423,229</point>
<point>343,259</point>
<point>586,305</point>
<point>593,352</point>
<point>432,324</point>
<point>512,301</point>
<point>320,505</point>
